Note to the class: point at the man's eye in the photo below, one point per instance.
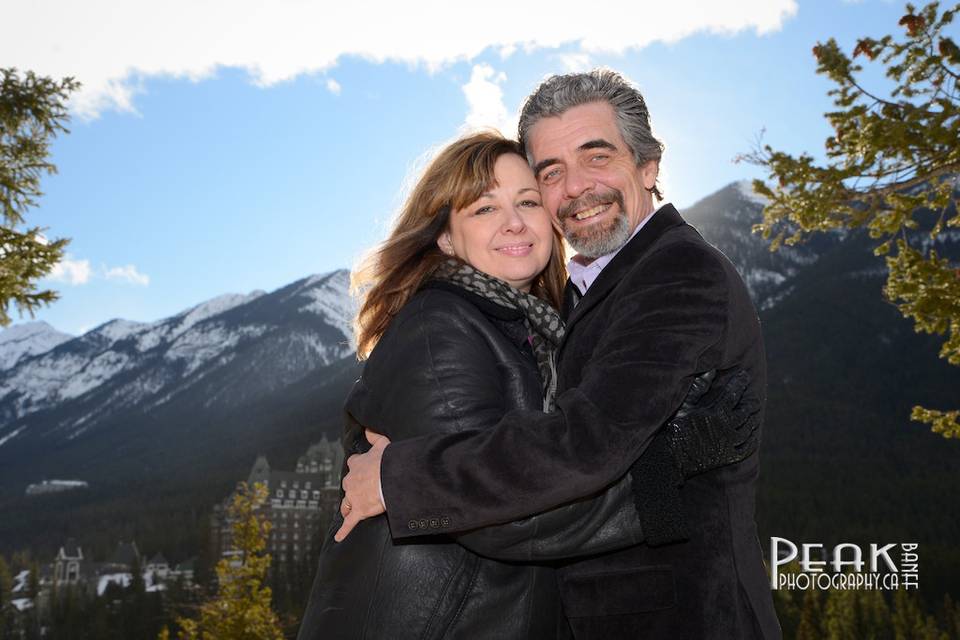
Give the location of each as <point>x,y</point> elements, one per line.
<point>599,158</point>
<point>550,176</point>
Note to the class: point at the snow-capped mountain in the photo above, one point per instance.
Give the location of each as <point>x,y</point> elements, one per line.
<point>235,347</point>
<point>28,339</point>
<point>725,219</point>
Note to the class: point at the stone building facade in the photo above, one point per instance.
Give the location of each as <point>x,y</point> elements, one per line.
<point>300,505</point>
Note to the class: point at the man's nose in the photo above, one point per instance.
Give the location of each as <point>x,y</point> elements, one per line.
<point>576,182</point>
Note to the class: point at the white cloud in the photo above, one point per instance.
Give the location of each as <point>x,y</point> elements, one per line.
<point>127,273</point>
<point>78,271</point>
<point>575,62</point>
<point>70,271</point>
<point>333,86</point>
<point>111,45</point>
<point>485,101</point>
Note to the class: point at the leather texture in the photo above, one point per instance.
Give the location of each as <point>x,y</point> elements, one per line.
<point>449,362</point>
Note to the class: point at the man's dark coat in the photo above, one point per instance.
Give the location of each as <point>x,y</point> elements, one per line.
<point>667,307</point>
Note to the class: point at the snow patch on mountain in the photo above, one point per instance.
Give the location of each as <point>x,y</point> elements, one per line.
<point>10,436</point>
<point>195,348</point>
<point>118,329</point>
<point>213,307</point>
<point>329,297</point>
<point>28,339</point>
<point>745,187</point>
<point>100,369</point>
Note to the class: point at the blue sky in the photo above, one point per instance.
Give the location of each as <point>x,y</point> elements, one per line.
<point>224,159</point>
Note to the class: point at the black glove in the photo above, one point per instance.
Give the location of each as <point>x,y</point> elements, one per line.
<point>714,427</point>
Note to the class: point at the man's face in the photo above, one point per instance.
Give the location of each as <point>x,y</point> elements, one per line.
<point>590,183</point>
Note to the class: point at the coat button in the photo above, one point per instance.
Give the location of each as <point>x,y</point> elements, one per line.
<point>423,523</point>
<point>412,525</point>
<point>445,521</point>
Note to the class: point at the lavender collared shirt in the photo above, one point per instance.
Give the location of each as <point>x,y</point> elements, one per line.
<point>583,271</point>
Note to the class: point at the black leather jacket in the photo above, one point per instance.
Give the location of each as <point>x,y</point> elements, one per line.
<point>451,361</point>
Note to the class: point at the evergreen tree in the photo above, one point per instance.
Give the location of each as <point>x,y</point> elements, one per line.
<point>810,616</point>
<point>951,617</point>
<point>32,112</point>
<point>7,629</point>
<point>874,615</point>
<point>240,610</point>
<point>893,167</point>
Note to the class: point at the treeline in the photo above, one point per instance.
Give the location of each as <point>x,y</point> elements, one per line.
<point>861,614</point>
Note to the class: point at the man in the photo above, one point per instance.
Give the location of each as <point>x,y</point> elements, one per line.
<point>654,306</point>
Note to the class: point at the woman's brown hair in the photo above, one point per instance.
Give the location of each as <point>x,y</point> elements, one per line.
<point>393,271</point>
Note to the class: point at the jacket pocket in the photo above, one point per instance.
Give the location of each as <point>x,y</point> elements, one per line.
<point>618,592</point>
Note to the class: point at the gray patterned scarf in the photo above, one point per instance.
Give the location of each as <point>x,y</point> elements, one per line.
<point>542,321</point>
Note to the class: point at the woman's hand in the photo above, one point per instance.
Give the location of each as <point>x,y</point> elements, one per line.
<point>361,486</point>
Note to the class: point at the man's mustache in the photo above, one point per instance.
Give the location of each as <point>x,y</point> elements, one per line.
<point>589,200</point>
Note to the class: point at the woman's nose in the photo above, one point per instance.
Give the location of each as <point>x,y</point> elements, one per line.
<point>514,221</point>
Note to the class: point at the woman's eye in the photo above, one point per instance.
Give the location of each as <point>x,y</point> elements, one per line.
<point>530,203</point>
<point>482,210</point>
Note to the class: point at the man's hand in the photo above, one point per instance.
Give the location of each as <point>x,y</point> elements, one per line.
<point>361,486</point>
<point>706,434</point>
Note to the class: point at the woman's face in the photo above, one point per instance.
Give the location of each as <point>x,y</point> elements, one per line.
<point>506,233</point>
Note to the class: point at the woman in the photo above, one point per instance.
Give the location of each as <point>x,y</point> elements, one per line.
<point>442,357</point>
<point>459,323</point>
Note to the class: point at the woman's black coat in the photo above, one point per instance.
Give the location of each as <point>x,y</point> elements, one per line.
<point>451,361</point>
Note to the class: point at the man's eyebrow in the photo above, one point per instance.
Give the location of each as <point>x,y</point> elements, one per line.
<point>543,164</point>
<point>599,143</point>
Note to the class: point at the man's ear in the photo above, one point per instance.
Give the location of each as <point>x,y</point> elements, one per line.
<point>648,174</point>
<point>445,243</point>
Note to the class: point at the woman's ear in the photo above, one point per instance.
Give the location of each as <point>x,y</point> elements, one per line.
<point>445,243</point>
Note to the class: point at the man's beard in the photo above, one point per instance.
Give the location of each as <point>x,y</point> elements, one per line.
<point>596,240</point>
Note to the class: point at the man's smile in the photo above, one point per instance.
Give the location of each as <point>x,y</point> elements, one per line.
<point>591,212</point>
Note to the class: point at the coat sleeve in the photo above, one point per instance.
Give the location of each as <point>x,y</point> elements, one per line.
<point>669,323</point>
<point>596,524</point>
<point>435,375</point>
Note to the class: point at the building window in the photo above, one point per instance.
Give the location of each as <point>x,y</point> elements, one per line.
<point>279,493</point>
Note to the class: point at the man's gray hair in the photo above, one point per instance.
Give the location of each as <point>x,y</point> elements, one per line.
<point>557,94</point>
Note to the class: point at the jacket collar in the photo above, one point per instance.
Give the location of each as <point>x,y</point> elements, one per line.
<point>665,218</point>
<point>571,296</point>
